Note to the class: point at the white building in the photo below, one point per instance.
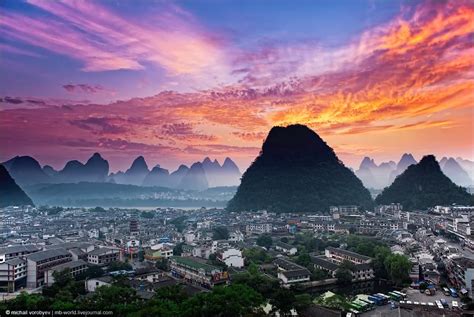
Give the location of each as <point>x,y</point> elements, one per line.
<point>93,283</point>
<point>231,257</point>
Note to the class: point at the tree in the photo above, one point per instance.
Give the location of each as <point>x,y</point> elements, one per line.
<point>381,253</point>
<point>220,233</point>
<point>148,214</point>
<point>179,223</point>
<point>118,266</point>
<point>91,272</point>
<point>178,249</point>
<point>318,274</point>
<point>303,259</point>
<point>265,240</point>
<point>120,299</point>
<point>283,301</point>
<point>398,268</point>
<point>162,264</point>
<point>259,282</point>
<point>256,255</point>
<point>344,272</point>
<point>232,301</point>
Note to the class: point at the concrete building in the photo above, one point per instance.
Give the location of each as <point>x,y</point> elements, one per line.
<point>461,274</point>
<point>361,272</point>
<point>16,251</point>
<point>258,228</point>
<point>339,255</point>
<point>196,272</point>
<point>103,256</point>
<point>12,275</point>
<point>38,263</point>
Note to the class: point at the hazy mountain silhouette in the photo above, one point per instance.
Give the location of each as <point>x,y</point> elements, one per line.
<point>406,160</point>
<point>96,169</point>
<point>226,175</point>
<point>373,175</point>
<point>467,165</point>
<point>195,178</point>
<point>135,175</point>
<point>297,171</point>
<point>423,185</point>
<point>455,172</point>
<point>10,193</point>
<point>157,177</point>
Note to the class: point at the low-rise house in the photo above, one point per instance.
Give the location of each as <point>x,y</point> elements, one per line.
<point>286,248</point>
<point>231,257</point>
<point>290,272</point>
<point>236,236</point>
<point>93,283</point>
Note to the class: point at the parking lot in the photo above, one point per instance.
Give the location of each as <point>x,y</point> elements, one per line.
<point>413,295</point>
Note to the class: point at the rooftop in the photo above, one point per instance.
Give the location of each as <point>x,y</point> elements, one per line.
<point>18,249</point>
<point>192,263</point>
<point>348,253</point>
<point>287,265</point>
<point>43,255</point>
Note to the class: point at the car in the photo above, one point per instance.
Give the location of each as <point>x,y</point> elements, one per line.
<point>444,303</point>
<point>393,305</point>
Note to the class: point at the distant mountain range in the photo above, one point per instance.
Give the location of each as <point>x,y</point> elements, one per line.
<point>424,185</point>
<point>25,170</point>
<point>297,171</point>
<point>459,170</point>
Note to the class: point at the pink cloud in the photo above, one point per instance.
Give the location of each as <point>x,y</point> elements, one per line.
<point>103,40</point>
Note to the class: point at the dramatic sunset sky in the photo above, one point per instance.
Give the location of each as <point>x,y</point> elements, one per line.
<point>178,81</point>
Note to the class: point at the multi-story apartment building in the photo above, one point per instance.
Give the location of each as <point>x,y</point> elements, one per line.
<point>40,262</point>
<point>196,272</point>
<point>258,228</point>
<point>103,256</point>
<point>12,275</point>
<point>16,251</point>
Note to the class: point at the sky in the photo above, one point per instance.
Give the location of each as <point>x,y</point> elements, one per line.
<point>176,81</point>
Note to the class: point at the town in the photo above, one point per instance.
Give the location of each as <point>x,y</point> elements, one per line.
<point>346,260</point>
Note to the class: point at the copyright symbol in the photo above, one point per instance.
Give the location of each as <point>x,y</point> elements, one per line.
<point>7,312</point>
